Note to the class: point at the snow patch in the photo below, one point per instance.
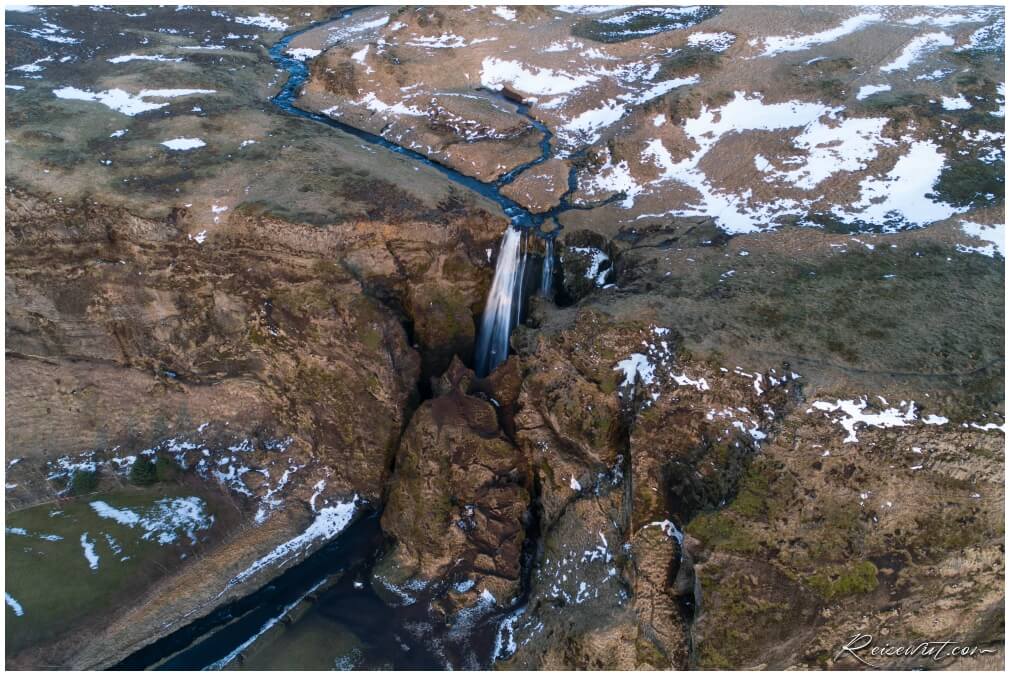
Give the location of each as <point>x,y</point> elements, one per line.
<point>902,195</point>
<point>505,13</point>
<point>34,66</point>
<point>955,102</point>
<point>994,234</point>
<point>595,271</point>
<point>126,58</point>
<point>497,73</point>
<point>445,41</point>
<point>183,143</point>
<point>360,55</point>
<point>376,105</point>
<point>13,604</point>
<point>587,9</point>
<point>843,146</point>
<point>124,102</point>
<point>636,366</point>
<point>717,42</point>
<point>778,44</point>
<point>867,91</point>
<point>613,178</point>
<point>261,20</point>
<point>328,523</point>
<point>89,551</point>
<point>853,414</point>
<point>305,53</point>
<point>743,113</point>
<point>164,521</point>
<point>669,529</point>
<point>916,49</point>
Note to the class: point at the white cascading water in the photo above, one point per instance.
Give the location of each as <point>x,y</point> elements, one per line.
<point>517,315</point>
<point>547,272</point>
<point>504,303</point>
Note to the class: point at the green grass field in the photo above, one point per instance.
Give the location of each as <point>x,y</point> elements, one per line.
<point>50,576</point>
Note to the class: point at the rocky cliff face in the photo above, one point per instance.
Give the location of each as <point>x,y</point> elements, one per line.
<point>290,344</point>
<point>123,332</point>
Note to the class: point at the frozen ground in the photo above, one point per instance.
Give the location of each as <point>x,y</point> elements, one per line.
<point>756,117</point>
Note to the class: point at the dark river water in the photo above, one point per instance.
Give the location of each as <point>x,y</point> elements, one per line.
<point>323,613</point>
<point>319,614</point>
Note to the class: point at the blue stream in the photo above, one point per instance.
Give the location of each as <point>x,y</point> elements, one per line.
<point>214,636</point>
<point>350,557</point>
<point>298,73</point>
<point>504,307</point>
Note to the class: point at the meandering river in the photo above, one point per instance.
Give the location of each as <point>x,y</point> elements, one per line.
<point>328,596</point>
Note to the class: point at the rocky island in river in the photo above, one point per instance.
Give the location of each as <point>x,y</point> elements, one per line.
<point>504,337</point>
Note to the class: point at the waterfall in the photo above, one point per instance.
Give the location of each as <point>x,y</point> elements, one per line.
<point>504,303</point>
<point>547,272</point>
<point>519,286</point>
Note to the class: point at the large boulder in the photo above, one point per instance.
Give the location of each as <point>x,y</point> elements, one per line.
<point>457,504</point>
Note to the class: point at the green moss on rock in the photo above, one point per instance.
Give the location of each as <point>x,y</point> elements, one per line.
<point>860,578</point>
<point>719,529</point>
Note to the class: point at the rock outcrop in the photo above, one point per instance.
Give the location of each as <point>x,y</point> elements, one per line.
<point>820,545</point>
<point>457,508</point>
<point>618,429</point>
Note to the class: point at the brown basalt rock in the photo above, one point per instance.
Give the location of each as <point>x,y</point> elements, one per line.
<point>819,544</point>
<point>568,415</point>
<point>505,383</point>
<point>457,502</point>
<point>660,617</point>
<point>502,388</point>
<point>664,458</point>
<point>289,338</point>
<point>584,419</point>
<point>611,648</point>
<point>683,458</point>
<point>579,592</point>
<point>456,377</point>
<point>719,421</point>
<point>443,326</point>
